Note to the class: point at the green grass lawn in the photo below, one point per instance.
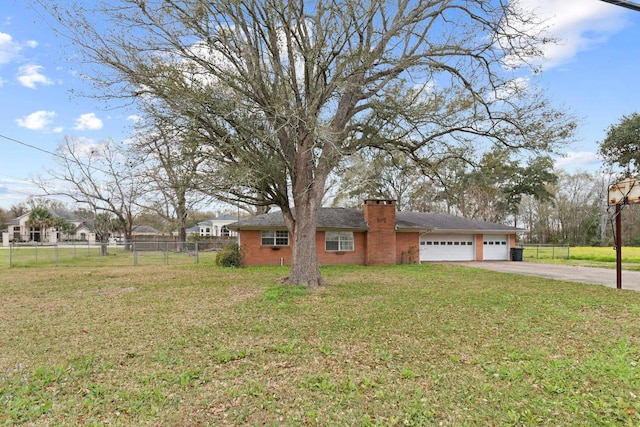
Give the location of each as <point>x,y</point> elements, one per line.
<point>400,345</point>
<point>83,255</point>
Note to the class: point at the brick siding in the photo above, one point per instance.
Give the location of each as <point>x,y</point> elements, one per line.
<point>380,215</point>
<point>253,253</point>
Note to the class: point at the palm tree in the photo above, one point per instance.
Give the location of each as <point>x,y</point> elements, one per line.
<point>65,227</point>
<point>39,220</point>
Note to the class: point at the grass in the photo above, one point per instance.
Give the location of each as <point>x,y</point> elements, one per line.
<point>399,345</point>
<point>29,256</point>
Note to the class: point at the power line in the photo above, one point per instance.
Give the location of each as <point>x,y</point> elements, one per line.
<point>15,178</point>
<point>624,3</point>
<point>30,146</point>
<point>87,166</point>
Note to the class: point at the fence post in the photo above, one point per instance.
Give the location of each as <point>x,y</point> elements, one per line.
<point>10,253</point>
<point>166,253</point>
<point>36,246</point>
<point>197,255</point>
<point>135,254</point>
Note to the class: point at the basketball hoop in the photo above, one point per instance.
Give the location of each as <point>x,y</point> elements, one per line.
<point>625,192</point>
<point>622,194</point>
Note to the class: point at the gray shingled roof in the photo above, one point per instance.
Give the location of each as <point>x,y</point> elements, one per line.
<point>341,218</point>
<point>145,229</point>
<point>353,219</point>
<point>56,213</point>
<point>67,215</point>
<point>435,221</point>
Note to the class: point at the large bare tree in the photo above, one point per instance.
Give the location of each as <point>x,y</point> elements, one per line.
<point>101,176</point>
<point>172,161</point>
<point>285,89</point>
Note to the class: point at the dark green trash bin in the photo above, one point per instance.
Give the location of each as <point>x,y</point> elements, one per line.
<point>516,254</point>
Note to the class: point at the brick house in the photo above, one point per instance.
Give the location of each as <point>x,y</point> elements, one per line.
<point>377,235</point>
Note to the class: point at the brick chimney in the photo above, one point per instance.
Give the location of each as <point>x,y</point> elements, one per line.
<point>380,215</point>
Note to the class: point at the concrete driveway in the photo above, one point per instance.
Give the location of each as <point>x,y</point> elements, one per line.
<point>571,273</point>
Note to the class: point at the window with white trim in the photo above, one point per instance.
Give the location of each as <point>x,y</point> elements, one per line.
<point>338,241</point>
<point>275,238</point>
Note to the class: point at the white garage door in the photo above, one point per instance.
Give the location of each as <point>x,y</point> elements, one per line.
<point>495,248</point>
<point>446,248</point>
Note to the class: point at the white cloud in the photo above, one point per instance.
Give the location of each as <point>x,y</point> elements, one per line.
<point>578,24</point>
<point>30,76</point>
<point>9,49</point>
<point>40,120</point>
<point>88,121</point>
<point>134,118</point>
<point>512,88</point>
<point>578,160</point>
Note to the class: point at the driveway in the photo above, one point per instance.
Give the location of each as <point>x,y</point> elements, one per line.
<point>571,273</point>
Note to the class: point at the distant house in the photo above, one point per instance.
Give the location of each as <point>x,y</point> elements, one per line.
<point>19,230</point>
<point>138,233</point>
<point>145,230</point>
<point>216,227</point>
<point>378,235</point>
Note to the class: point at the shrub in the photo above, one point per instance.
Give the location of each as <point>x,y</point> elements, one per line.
<point>229,256</point>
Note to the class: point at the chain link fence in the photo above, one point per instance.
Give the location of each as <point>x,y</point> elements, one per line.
<point>112,254</point>
<point>549,251</point>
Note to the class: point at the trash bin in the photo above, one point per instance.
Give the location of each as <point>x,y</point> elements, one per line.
<point>516,254</point>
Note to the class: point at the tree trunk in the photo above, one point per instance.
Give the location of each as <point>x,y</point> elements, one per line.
<point>308,188</point>
<point>181,216</point>
<point>104,245</point>
<point>304,262</point>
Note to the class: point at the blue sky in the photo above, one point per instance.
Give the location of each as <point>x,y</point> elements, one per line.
<point>593,73</point>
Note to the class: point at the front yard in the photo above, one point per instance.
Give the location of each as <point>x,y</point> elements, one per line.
<point>401,345</point>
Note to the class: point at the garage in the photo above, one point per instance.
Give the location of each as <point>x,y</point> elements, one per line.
<point>495,247</point>
<point>447,247</point>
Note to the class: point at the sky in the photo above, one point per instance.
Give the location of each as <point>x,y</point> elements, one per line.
<point>592,72</point>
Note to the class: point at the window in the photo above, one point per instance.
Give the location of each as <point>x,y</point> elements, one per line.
<point>275,238</point>
<point>338,241</point>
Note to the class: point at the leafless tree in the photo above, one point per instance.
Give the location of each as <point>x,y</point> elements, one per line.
<point>172,160</point>
<point>100,176</point>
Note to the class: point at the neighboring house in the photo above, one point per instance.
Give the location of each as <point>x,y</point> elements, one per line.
<point>145,230</point>
<point>18,230</point>
<point>217,227</point>
<point>138,232</point>
<point>378,235</point>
